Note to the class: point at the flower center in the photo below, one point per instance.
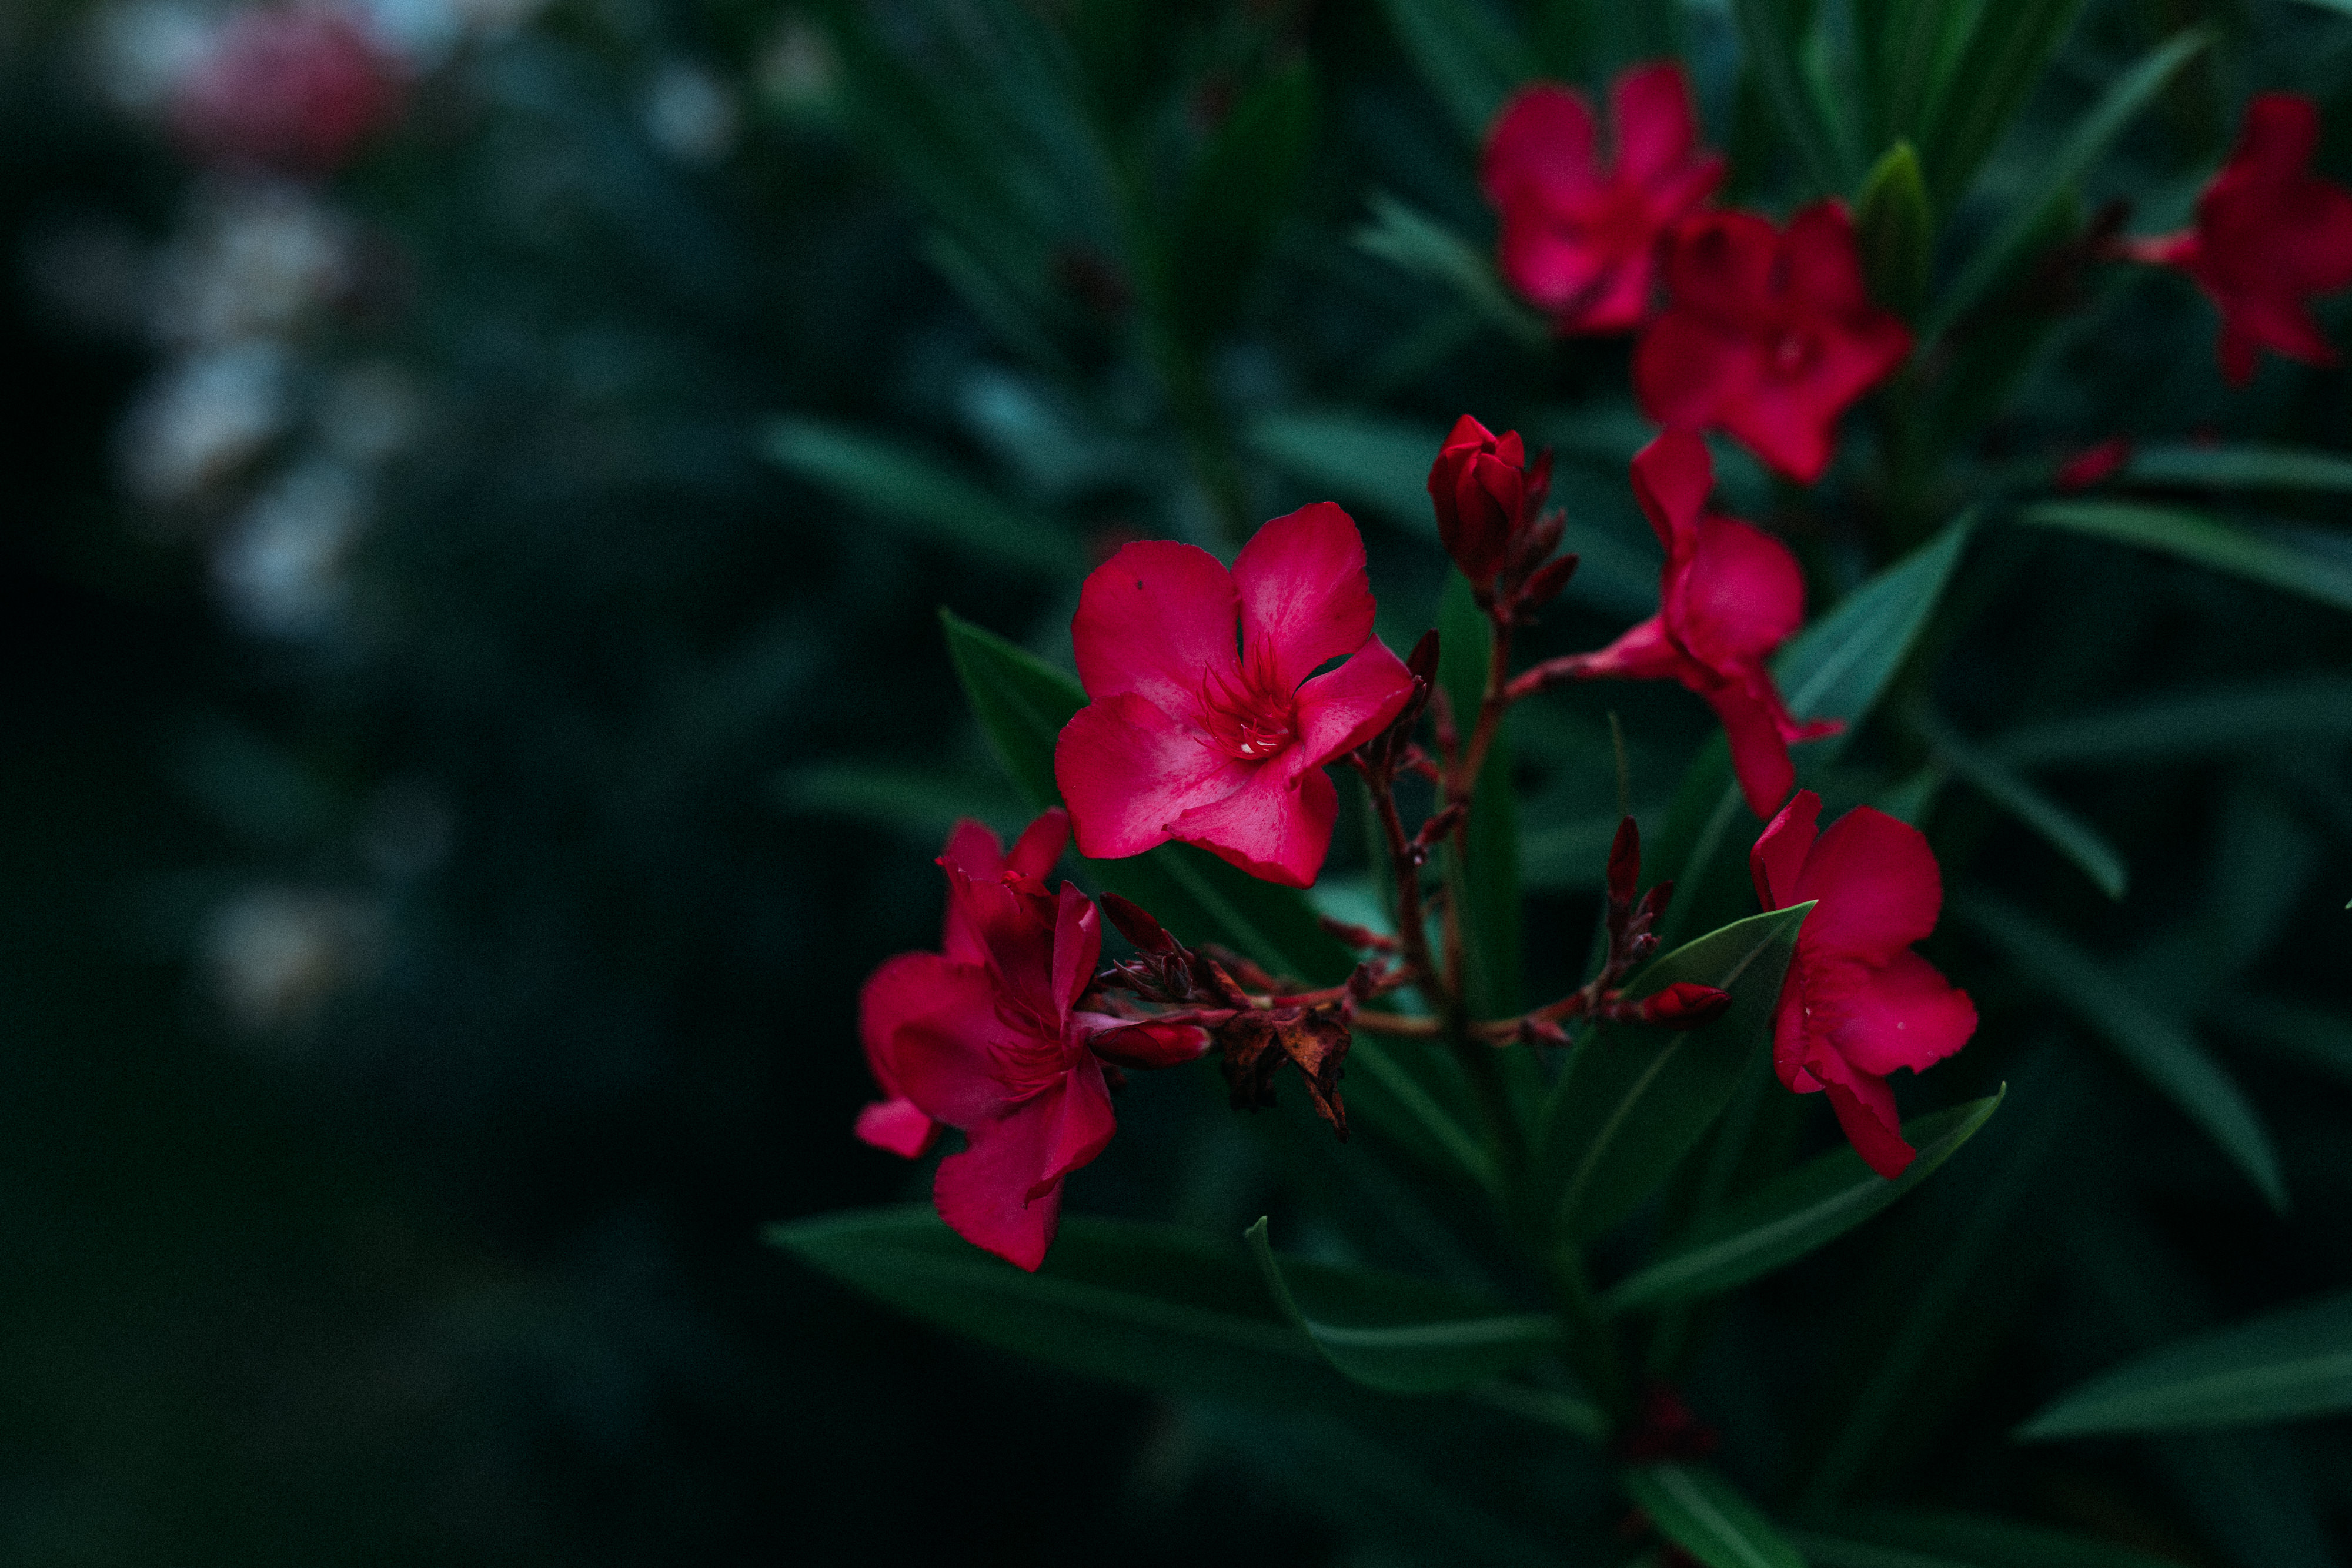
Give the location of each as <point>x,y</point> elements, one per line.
<point>1246,717</point>
<point>1793,352</point>
<point>1034,1057</point>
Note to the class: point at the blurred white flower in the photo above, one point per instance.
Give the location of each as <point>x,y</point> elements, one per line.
<point>281,570</point>
<point>204,418</point>
<point>141,52</point>
<point>257,259</point>
<point>278,954</point>
<point>690,114</point>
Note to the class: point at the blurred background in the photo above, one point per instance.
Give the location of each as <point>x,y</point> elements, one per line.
<point>484,475</point>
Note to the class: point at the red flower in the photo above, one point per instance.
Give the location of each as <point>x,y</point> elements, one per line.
<point>1580,240</point>
<point>2269,236</point>
<point>293,88</point>
<point>1188,739</point>
<point>2093,464</point>
<point>1479,487</point>
<point>1731,594</point>
<point>1770,336</point>
<point>1858,1002</point>
<point>895,1123</point>
<point>997,1047</point>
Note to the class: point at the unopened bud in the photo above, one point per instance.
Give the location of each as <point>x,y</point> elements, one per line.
<point>1684,1004</point>
<point>1137,926</point>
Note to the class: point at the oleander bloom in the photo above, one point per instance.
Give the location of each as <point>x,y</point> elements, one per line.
<point>998,1048</point>
<point>1579,238</point>
<point>289,87</point>
<point>893,1121</point>
<point>1479,488</point>
<point>1207,723</point>
<point>1769,335</point>
<point>2269,236</point>
<point>1858,1002</point>
<point>1731,594</point>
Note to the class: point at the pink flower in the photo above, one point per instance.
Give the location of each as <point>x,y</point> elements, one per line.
<point>996,1046</point>
<point>1579,240</point>
<point>1858,1002</point>
<point>2093,464</point>
<point>1190,736</point>
<point>1769,335</point>
<point>895,1123</point>
<point>289,88</point>
<point>1480,488</point>
<point>2269,235</point>
<point>1731,594</point>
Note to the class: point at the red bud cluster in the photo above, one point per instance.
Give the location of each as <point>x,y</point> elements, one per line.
<point>1491,519</point>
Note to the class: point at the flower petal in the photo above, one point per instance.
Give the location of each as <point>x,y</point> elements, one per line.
<point>1779,858</point>
<point>1128,770</point>
<point>1146,1046</point>
<point>1082,1127</point>
<point>1760,750</point>
<point>1824,262</point>
<point>1157,619</point>
<point>1645,653</point>
<point>1671,477</point>
<point>1650,111</point>
<point>945,1056</point>
<point>1304,599</point>
<point>1689,368</point>
<point>1341,709</point>
<point>1078,944</point>
<point>1866,1113</point>
<point>1721,265</point>
<point>1742,597</point>
<point>983,1192</point>
<point>1039,845</point>
<point>1541,141</point>
<point>1878,885</point>
<point>1278,826</point>
<point>896,1126</point>
<point>1905,1014</point>
<point>972,849</point>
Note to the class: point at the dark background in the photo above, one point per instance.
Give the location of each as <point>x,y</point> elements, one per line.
<point>430,959</point>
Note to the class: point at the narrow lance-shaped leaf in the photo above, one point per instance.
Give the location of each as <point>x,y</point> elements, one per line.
<point>2059,174</point>
<point>1922,1538</point>
<point>1149,1305</point>
<point>2275,559</point>
<point>1463,55</point>
<point>1771,43</point>
<point>1380,462</point>
<point>2241,467</point>
<point>1634,1100</point>
<point>2157,1047</point>
<point>1421,245</point>
<point>1896,231</point>
<point>1395,1334</point>
<point>1022,703</point>
<point>2020,798</point>
<point>2292,1363</point>
<point>1980,86</point>
<point>919,494</point>
<point>1705,1515</point>
<point>1808,1207</point>
<point>2212,720</point>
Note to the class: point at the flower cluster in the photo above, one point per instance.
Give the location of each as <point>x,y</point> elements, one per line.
<point>1768,334</point>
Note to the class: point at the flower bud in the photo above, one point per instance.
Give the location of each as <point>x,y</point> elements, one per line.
<point>1478,485</point>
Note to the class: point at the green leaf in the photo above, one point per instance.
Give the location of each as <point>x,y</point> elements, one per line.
<point>1365,459</point>
<point>1149,1305</point>
<point>1897,231</point>
<point>1986,81</point>
<point>2276,560</point>
<point>1769,42</point>
<point>1022,703</point>
<point>1921,1538</point>
<point>923,805</point>
<point>1808,1207</point>
<point>1396,1335</point>
<point>1912,45</point>
<point>2241,467</point>
<point>1837,668</point>
<point>1468,61</point>
<point>919,494</point>
<point>2287,1364</point>
<point>1418,1098</point>
<point>2317,1038</point>
<point>2157,1047</point>
<point>1705,1515</point>
<point>2058,174</point>
<point>1419,244</point>
<point>2222,719</point>
<point>1634,1100</point>
<point>1487,878</point>
<point>1237,194</point>
<point>2071,836</point>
